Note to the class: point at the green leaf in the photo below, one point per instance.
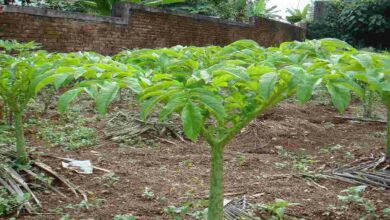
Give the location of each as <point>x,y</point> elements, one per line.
<point>192,120</point>
<point>306,88</point>
<point>60,79</point>
<point>267,84</point>
<point>364,60</point>
<point>340,96</point>
<point>214,104</point>
<point>238,72</point>
<point>173,105</point>
<point>66,98</point>
<point>149,104</point>
<point>107,94</point>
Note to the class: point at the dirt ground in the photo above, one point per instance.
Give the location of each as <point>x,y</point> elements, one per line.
<point>287,139</point>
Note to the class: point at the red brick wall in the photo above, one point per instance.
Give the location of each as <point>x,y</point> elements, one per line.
<point>134,26</point>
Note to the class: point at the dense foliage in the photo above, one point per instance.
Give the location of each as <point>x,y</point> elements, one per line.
<point>238,10</point>
<point>361,23</point>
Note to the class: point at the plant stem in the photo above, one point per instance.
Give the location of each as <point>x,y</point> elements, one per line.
<point>216,184</point>
<point>22,157</point>
<point>367,105</point>
<point>388,134</point>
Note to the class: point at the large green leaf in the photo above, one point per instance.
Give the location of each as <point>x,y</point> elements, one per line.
<point>340,96</point>
<point>192,120</point>
<point>107,93</point>
<point>365,60</point>
<point>173,105</point>
<point>213,104</point>
<point>67,97</point>
<point>306,88</point>
<point>267,84</point>
<point>149,104</point>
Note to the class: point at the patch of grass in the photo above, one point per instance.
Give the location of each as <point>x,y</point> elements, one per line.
<point>71,132</point>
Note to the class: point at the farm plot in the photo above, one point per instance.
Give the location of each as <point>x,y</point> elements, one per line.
<point>265,162</point>
<point>183,97</point>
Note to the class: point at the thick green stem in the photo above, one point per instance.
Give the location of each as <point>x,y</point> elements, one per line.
<point>22,156</point>
<point>216,184</point>
<point>367,105</point>
<point>388,134</point>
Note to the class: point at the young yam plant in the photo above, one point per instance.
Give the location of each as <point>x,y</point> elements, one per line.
<point>217,102</point>
<point>22,77</point>
<point>374,70</point>
<point>344,69</point>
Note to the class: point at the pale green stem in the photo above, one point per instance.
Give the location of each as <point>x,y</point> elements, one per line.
<point>22,156</point>
<point>215,211</point>
<point>388,134</point>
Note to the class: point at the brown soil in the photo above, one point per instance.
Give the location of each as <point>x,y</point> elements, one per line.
<point>254,166</point>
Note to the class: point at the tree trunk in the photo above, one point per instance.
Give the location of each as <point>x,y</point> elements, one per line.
<point>22,157</point>
<point>215,211</point>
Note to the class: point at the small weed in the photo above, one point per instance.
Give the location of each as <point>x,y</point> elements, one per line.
<point>196,209</point>
<point>386,212</point>
<point>177,213</point>
<point>96,203</point>
<point>186,163</point>
<point>66,217</point>
<point>109,179</point>
<point>148,193</point>
<point>329,125</point>
<point>274,210</point>
<point>336,147</point>
<point>241,159</point>
<point>282,152</point>
<point>202,214</point>
<point>302,164</point>
<point>378,134</point>
<point>124,217</point>
<point>349,155</point>
<point>353,197</point>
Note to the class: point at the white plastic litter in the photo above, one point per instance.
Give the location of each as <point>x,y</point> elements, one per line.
<point>79,166</point>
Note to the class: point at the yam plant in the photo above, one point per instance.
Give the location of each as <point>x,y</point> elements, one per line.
<point>24,75</point>
<point>374,70</point>
<point>218,91</point>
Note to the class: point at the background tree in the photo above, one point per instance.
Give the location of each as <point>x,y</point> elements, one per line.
<point>361,23</point>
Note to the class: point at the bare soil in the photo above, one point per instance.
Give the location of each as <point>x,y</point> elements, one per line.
<point>287,139</point>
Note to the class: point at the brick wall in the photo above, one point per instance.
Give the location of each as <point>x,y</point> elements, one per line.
<point>134,26</point>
